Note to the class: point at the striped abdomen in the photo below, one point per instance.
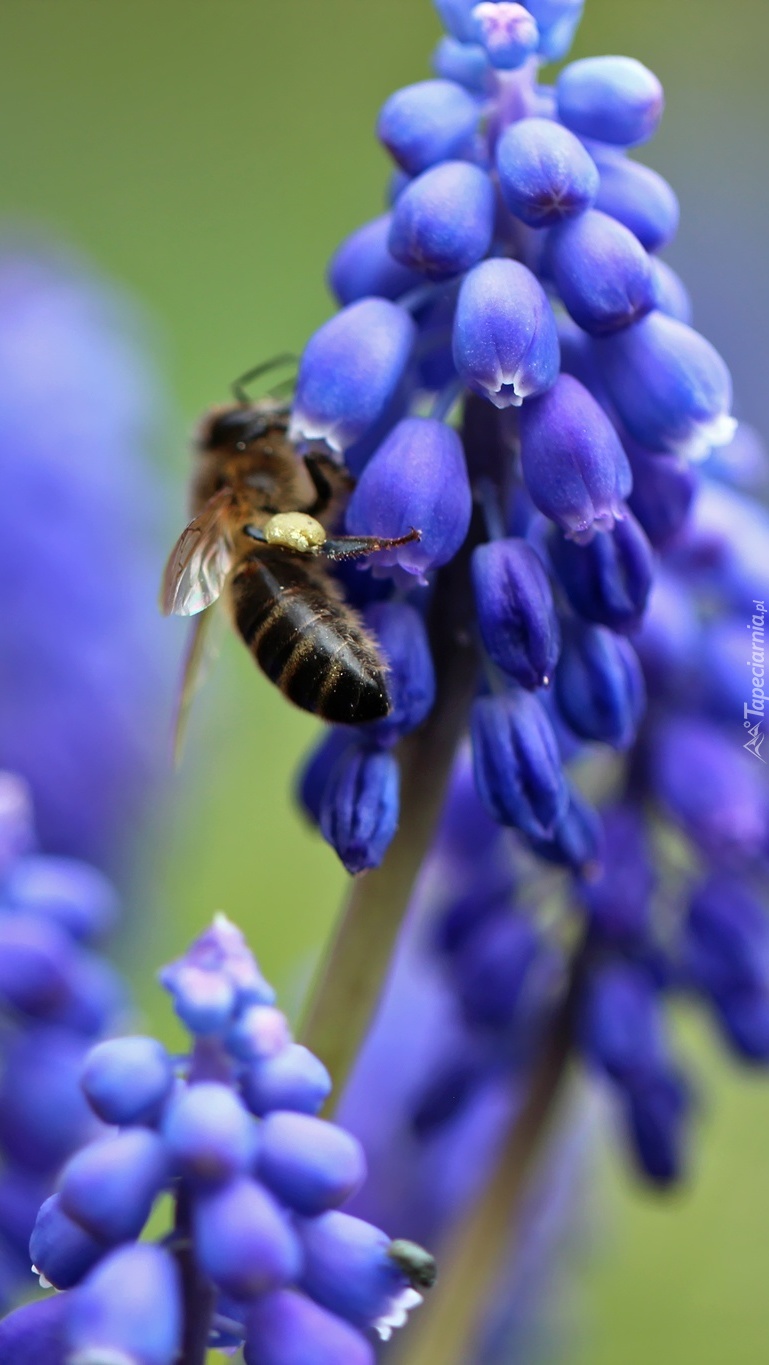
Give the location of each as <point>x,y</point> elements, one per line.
<point>306,640</point>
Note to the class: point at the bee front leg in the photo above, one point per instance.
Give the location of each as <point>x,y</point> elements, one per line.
<point>356,547</point>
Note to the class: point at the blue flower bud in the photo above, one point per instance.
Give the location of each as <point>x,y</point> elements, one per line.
<point>363,266</point>
<point>640,198</point>
<point>43,1114</point>
<point>244,1240</point>
<point>359,808</point>
<point>260,1031</point>
<point>599,685</point>
<point>515,610</point>
<point>417,478</point>
<point>35,1334</point>
<point>556,40</point>
<point>75,895</point>
<point>670,387</point>
<point>429,122</point>
<point>60,1249</point>
<point>347,1268</point>
<point>725,942</point>
<point>576,841</point>
<point>505,338</point>
<point>309,1164</point>
<point>670,293</point>
<point>609,580</point>
<point>457,17</point>
<point>611,99</point>
<point>286,1328</point>
<point>402,638</point>
<point>744,1019</point>
<point>110,1186</point>
<point>128,1309</point>
<point>350,370</point>
<point>517,765</point>
<point>657,1111</point>
<point>572,460</point>
<point>494,972</point>
<point>443,221</point>
<point>726,809</point>
<point>618,901</point>
<point>318,767</point>
<point>127,1080</point>
<point>98,995</point>
<point>36,959</point>
<point>601,272</point>
<point>507,31</point>
<point>663,491</point>
<point>215,977</point>
<point>210,1136</point>
<point>545,173</point>
<point>294,1079</point>
<point>619,1023</point>
<point>464,63</point>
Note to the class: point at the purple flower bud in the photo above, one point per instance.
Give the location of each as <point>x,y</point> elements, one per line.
<point>464,63</point>
<point>260,1031</point>
<point>640,198</point>
<point>244,1240</point>
<point>444,220</point>
<point>363,266</point>
<point>402,638</point>
<point>128,1309</point>
<point>725,943</point>
<point>607,581</point>
<point>601,272</point>
<point>710,787</point>
<point>663,490</point>
<point>360,806</point>
<point>318,767</point>
<point>576,841</point>
<point>611,99</point>
<point>517,765</point>
<point>35,1334</point>
<point>572,460</point>
<point>657,1111</point>
<point>429,122</point>
<point>545,173</point>
<point>417,478</point>
<point>127,1080</point>
<point>618,901</point>
<point>60,1249</point>
<point>43,1115</point>
<point>36,959</point>
<point>210,1136</point>
<point>505,338</point>
<point>515,609</point>
<point>457,17</point>
<point>288,1329</point>
<point>744,1019</point>
<point>495,970</point>
<point>349,372</point>
<point>98,994</point>
<point>507,31</point>
<point>670,387</point>
<point>309,1164</point>
<point>110,1186</point>
<point>347,1268</point>
<point>599,685</point>
<point>215,976</point>
<point>72,893</point>
<point>294,1079</point>
<point>620,1023</point>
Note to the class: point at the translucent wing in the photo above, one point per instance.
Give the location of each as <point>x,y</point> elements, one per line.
<point>200,560</point>
<point>197,655</point>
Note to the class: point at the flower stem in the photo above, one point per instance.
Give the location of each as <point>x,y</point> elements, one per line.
<point>198,1295</point>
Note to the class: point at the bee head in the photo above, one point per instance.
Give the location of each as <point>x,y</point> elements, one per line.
<point>237,427</point>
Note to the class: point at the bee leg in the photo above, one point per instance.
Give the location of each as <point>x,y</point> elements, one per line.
<point>326,488</point>
<point>355,547</point>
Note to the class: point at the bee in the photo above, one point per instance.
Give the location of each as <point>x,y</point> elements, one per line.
<point>261,537</point>
<point>416,1264</point>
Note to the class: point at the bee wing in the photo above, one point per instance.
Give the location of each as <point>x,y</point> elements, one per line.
<point>197,655</point>
<point>200,560</point>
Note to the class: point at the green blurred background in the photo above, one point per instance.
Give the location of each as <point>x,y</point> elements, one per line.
<point>209,154</point>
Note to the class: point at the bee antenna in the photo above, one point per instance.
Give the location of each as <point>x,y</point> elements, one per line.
<point>239,391</point>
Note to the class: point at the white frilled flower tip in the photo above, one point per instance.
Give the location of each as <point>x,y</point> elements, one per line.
<point>397,1312</point>
<point>708,436</point>
<point>42,1281</point>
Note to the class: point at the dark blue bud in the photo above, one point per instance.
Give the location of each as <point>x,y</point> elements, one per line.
<point>545,173</point>
<point>640,198</point>
<point>360,806</point>
<point>417,478</point>
<point>210,1136</point>
<point>577,838</point>
<point>620,1023</point>
<point>128,1309</point>
<point>494,971</point>
<point>98,995</point>
<point>43,1114</point>
<point>607,581</point>
<point>309,1164</point>
<point>110,1186</point>
<point>318,767</point>
<point>725,810</point>
<point>286,1328</point>
<point>507,31</point>
<point>572,460</point>
<point>244,1240</point>
<point>744,1019</point>
<point>444,220</point>
<point>515,610</point>
<point>74,894</point>
<point>59,1249</point>
<point>611,99</point>
<point>670,387</point>
<point>618,901</point>
<point>601,272</point>
<point>505,337</point>
<point>663,492</point>
<point>517,765</point>
<point>657,1112</point>
<point>464,63</point>
<point>36,959</point>
<point>671,296</point>
<point>127,1080</point>
<point>725,941</point>
<point>35,1334</point>
<point>444,1094</point>
<point>350,370</point>
<point>347,1268</point>
<point>599,685</point>
<point>363,266</point>
<point>294,1079</point>
<point>402,638</point>
<point>429,122</point>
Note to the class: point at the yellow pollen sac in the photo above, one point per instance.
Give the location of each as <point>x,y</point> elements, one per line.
<point>295,531</point>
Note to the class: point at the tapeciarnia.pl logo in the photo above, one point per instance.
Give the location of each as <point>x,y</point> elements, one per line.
<point>754,711</point>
